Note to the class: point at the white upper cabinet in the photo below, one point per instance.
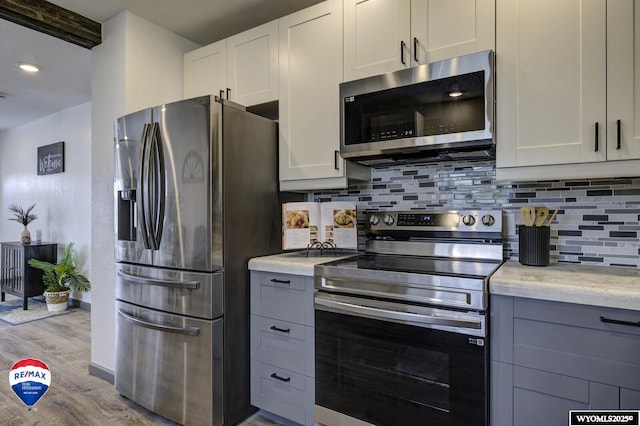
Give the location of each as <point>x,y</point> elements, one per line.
<point>205,70</point>
<point>252,58</point>
<point>623,80</point>
<point>242,68</point>
<point>310,73</point>
<point>376,33</point>
<point>387,35</point>
<point>566,73</point>
<point>443,29</point>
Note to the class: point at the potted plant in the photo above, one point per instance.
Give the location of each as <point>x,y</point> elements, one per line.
<point>60,278</point>
<point>24,217</point>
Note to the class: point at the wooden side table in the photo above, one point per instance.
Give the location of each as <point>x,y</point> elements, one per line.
<point>16,276</point>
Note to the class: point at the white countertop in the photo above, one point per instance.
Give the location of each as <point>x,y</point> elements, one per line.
<point>296,262</point>
<point>572,283</point>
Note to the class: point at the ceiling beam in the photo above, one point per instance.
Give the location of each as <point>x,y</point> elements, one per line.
<point>53,20</point>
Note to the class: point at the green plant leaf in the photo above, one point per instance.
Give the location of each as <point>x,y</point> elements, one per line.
<point>62,275</point>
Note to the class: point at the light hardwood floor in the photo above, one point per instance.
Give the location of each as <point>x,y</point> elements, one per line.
<point>74,397</point>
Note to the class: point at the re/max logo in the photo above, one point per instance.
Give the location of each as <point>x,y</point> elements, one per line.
<point>30,374</point>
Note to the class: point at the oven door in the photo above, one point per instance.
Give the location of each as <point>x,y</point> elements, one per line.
<point>395,370</point>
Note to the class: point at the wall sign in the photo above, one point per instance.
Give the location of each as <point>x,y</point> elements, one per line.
<point>51,158</point>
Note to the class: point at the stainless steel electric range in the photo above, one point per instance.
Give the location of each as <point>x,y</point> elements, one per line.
<point>401,331</point>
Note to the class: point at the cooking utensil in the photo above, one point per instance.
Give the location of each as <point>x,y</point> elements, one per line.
<point>553,216</point>
<point>528,215</point>
<point>541,215</point>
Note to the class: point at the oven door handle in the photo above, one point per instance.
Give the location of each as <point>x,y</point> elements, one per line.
<point>420,320</point>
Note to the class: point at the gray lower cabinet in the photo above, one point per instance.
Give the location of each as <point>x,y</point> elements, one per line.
<point>550,357</point>
<point>282,345</point>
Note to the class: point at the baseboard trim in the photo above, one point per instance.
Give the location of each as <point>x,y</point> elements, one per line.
<point>101,373</point>
<point>76,303</point>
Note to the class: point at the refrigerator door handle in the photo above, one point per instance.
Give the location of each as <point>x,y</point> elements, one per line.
<point>149,189</point>
<point>144,190</point>
<point>191,331</point>
<point>159,186</point>
<point>188,285</point>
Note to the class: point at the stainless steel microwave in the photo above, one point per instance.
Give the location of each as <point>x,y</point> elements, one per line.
<point>438,111</point>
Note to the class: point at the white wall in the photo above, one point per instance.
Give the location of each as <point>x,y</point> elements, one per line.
<point>63,200</point>
<point>138,65</point>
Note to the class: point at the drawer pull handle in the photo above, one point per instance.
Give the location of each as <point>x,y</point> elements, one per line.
<point>282,379</point>
<point>281,330</point>
<point>274,280</point>
<point>620,322</point>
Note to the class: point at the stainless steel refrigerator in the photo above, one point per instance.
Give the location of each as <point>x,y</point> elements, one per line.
<point>196,196</point>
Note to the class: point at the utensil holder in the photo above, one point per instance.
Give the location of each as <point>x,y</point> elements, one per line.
<point>533,245</point>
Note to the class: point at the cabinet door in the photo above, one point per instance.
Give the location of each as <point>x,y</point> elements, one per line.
<point>205,70</point>
<point>252,60</point>
<point>310,72</point>
<point>623,85</point>
<point>376,37</point>
<point>551,93</point>
<point>442,29</point>
<point>542,398</point>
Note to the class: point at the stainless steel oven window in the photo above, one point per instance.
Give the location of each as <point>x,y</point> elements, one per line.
<point>388,373</point>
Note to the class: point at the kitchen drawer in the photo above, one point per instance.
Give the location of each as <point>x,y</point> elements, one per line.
<point>283,344</point>
<point>572,340</point>
<point>282,392</point>
<point>282,296</point>
<point>159,355</point>
<point>179,292</point>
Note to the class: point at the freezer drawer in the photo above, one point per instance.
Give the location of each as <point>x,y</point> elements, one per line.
<point>179,292</point>
<point>170,364</point>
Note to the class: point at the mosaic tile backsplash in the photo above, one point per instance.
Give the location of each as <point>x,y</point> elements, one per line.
<point>598,221</point>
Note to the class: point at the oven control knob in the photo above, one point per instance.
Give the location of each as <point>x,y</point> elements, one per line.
<point>374,220</point>
<point>388,220</point>
<point>488,220</point>
<point>468,220</point>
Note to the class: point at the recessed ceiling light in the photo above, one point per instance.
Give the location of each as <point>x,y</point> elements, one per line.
<point>29,68</point>
<point>455,93</point>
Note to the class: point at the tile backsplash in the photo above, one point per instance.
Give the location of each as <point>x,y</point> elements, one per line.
<point>598,221</point>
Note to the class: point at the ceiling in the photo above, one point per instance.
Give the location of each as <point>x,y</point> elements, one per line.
<point>65,76</point>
